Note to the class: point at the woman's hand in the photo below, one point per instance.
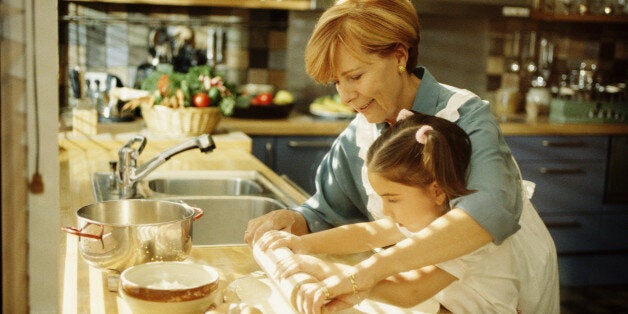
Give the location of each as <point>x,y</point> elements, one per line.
<point>275,239</point>
<point>281,219</point>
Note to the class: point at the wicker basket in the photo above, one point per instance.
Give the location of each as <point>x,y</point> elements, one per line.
<point>189,121</point>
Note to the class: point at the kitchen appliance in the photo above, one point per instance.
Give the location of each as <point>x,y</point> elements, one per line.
<point>577,111</point>
<point>118,234</point>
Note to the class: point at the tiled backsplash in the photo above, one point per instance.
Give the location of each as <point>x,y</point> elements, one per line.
<point>115,39</point>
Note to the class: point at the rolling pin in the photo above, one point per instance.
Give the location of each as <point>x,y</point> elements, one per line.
<point>288,287</point>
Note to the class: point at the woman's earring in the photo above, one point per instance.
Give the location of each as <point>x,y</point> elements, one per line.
<point>401,69</point>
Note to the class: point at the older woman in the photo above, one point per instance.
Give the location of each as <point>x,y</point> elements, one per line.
<point>369,50</point>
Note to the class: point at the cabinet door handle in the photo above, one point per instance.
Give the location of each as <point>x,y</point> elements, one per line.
<point>563,224</point>
<point>269,155</point>
<point>574,143</point>
<point>308,144</point>
<point>544,170</point>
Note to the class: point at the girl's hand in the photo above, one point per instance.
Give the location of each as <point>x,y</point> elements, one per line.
<point>311,298</point>
<point>316,298</point>
<point>334,292</point>
<point>275,239</point>
<point>347,287</point>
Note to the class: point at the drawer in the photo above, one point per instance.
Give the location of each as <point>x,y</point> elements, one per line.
<point>588,270</point>
<point>567,186</point>
<point>558,147</point>
<point>577,234</point>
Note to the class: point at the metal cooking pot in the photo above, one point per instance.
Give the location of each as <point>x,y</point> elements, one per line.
<point>118,234</point>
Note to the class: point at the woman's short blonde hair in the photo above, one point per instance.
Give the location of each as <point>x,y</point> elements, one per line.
<point>362,26</point>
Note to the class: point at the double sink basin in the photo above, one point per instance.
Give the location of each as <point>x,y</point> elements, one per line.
<point>229,199</point>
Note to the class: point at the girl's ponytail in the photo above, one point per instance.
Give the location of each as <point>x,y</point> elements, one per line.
<point>420,149</point>
<point>442,160</point>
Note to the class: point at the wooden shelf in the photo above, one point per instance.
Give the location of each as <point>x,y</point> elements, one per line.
<point>6,10</point>
<point>250,4</point>
<point>576,18</point>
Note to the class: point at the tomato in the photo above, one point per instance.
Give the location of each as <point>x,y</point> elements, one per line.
<point>263,99</point>
<point>255,101</point>
<point>201,100</point>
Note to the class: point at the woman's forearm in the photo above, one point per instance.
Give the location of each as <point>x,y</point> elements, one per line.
<point>450,236</point>
<point>353,238</point>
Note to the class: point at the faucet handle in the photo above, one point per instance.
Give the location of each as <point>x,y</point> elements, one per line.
<point>205,143</point>
<point>136,139</point>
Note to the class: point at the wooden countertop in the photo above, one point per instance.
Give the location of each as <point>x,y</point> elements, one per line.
<point>84,288</point>
<point>294,125</point>
<point>300,124</point>
<point>306,125</point>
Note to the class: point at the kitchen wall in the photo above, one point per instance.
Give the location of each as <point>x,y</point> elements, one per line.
<point>466,45</point>
<point>30,221</point>
<point>113,38</point>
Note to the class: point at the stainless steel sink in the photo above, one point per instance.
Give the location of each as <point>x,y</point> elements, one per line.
<point>225,217</point>
<point>229,199</point>
<point>193,183</point>
<point>205,186</point>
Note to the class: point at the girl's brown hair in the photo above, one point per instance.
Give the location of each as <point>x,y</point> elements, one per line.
<point>362,26</point>
<point>397,155</point>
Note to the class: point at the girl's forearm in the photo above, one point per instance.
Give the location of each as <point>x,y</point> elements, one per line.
<point>411,288</point>
<point>353,238</point>
<point>450,236</point>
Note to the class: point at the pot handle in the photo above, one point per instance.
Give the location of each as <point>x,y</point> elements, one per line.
<point>80,233</point>
<point>199,213</point>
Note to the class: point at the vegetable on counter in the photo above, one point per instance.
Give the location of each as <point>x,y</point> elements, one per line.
<point>201,99</point>
<point>201,87</point>
<point>283,97</point>
<point>331,104</point>
<point>264,98</point>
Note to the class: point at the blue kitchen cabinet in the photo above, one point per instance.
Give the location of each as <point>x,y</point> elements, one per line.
<point>296,157</point>
<point>299,158</point>
<point>264,149</point>
<point>570,174</point>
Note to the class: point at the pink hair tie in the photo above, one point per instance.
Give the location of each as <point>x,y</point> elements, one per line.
<point>421,137</point>
<point>404,113</point>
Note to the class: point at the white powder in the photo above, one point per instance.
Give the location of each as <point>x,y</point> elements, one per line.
<point>164,284</point>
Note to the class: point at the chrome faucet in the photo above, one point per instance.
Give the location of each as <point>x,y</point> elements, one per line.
<point>128,173</point>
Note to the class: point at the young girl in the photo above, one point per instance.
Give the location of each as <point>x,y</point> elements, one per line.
<point>418,167</point>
